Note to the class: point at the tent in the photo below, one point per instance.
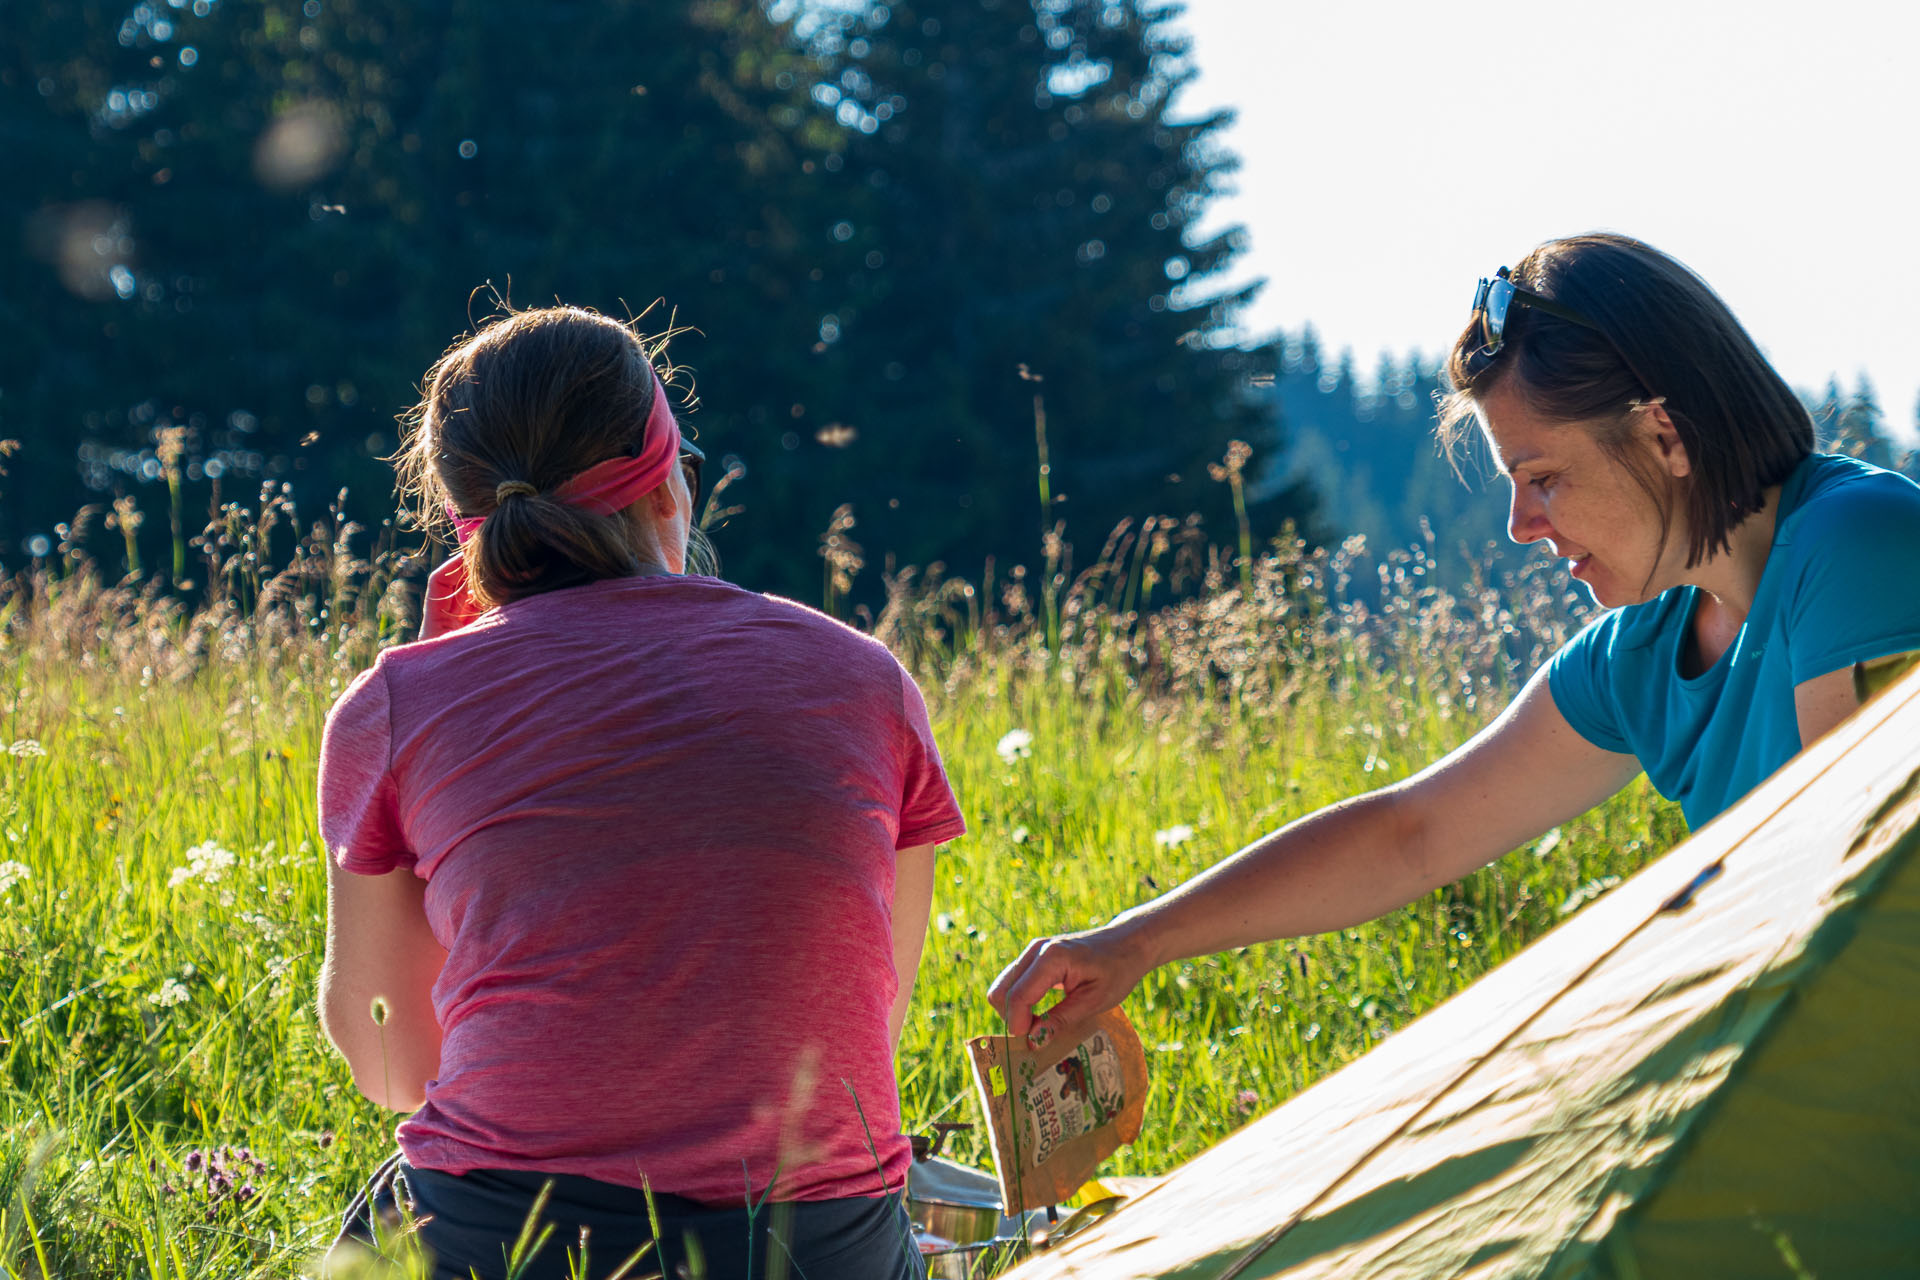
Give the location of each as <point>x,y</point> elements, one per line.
<point>1713,1070</point>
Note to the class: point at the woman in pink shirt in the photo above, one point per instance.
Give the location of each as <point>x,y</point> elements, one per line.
<point>629,868</point>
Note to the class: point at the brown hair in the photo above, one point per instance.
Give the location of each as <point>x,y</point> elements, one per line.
<point>532,399</point>
<point>1661,332</point>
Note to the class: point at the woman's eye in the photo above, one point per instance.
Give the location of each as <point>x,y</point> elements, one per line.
<point>1543,483</point>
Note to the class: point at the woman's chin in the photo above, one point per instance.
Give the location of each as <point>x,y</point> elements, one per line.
<point>1603,592</point>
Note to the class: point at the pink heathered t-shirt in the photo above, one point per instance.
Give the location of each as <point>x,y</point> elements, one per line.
<point>657,819</point>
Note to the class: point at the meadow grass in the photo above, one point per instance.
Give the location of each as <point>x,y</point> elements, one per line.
<point>168,1107</point>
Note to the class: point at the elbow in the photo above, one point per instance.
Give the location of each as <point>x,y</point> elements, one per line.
<point>387,1069</point>
<point>401,1100</point>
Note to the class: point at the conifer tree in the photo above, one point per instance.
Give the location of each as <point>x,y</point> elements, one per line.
<point>298,201</point>
<point>1024,201</point>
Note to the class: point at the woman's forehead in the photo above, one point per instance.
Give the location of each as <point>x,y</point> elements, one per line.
<point>1514,434</point>
<point>1517,435</point>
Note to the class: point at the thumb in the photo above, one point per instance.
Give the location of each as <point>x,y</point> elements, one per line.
<point>1070,1011</point>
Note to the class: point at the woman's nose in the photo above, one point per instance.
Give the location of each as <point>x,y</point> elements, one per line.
<point>1526,519</point>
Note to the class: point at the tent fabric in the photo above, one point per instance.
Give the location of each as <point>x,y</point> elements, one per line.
<point>1712,1070</point>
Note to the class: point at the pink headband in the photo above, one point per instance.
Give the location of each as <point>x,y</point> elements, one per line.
<point>617,483</point>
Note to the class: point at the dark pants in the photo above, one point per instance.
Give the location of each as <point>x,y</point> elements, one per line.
<point>470,1221</point>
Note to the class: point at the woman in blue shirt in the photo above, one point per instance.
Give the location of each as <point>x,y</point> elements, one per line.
<point>1650,445</point>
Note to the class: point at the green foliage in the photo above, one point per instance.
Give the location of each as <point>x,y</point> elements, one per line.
<point>251,226</point>
<point>162,901</point>
<point>1021,201</point>
<point>1368,451</point>
<point>1854,425</point>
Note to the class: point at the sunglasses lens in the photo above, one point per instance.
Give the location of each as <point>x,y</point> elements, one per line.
<point>1493,312</point>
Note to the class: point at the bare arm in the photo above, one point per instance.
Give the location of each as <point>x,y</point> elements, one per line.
<point>1526,772</point>
<point>912,904</point>
<point>379,946</point>
<point>1823,702</point>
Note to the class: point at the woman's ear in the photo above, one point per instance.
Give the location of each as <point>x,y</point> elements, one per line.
<point>1662,437</point>
<point>661,501</point>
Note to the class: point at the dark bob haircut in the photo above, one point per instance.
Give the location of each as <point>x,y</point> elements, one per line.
<point>1661,333</point>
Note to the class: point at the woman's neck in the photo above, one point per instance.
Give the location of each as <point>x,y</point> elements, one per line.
<point>1732,576</point>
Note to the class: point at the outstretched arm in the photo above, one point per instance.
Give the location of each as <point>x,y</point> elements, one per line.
<point>1350,862</point>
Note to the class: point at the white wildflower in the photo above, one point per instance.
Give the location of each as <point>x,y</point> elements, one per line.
<point>1173,837</point>
<point>1015,744</point>
<point>11,873</point>
<point>269,929</point>
<point>206,861</point>
<point>1020,835</point>
<point>171,992</point>
<point>26,747</point>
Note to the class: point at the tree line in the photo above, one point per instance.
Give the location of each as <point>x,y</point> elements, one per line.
<point>933,262</point>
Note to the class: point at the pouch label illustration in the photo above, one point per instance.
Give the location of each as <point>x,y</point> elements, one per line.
<point>1077,1095</point>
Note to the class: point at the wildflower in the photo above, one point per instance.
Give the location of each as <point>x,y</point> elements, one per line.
<point>1245,1101</point>
<point>207,862</point>
<point>11,873</point>
<point>195,1159</point>
<point>171,992</point>
<point>26,748</point>
<point>1173,837</point>
<point>1014,744</point>
<point>1020,835</point>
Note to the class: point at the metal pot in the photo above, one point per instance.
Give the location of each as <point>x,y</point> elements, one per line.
<point>956,1203</point>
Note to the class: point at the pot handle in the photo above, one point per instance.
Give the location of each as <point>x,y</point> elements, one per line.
<point>925,1147</point>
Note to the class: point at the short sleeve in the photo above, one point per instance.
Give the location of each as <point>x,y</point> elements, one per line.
<point>1855,591</point>
<point>359,811</point>
<point>1580,676</point>
<point>928,812</point>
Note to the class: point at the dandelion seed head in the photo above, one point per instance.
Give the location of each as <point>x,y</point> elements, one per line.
<point>1014,744</point>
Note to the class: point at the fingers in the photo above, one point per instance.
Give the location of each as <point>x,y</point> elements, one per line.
<point>1005,993</point>
<point>1093,971</point>
<point>1074,1008</point>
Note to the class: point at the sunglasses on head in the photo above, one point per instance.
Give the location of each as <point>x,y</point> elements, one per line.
<point>1495,299</point>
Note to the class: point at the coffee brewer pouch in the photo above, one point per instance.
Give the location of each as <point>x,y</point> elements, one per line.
<point>1055,1113</point>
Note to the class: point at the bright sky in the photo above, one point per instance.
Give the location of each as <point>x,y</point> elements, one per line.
<point>1394,151</point>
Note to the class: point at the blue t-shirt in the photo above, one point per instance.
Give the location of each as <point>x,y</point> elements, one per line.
<point>1841,585</point>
